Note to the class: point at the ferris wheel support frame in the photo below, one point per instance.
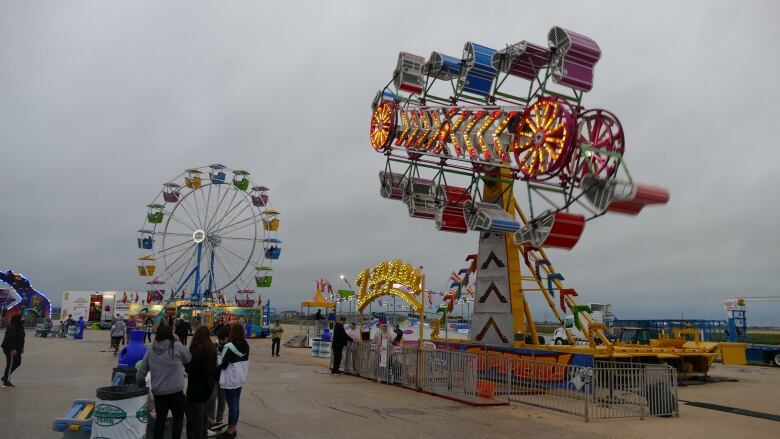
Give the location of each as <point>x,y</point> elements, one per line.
<point>195,296</point>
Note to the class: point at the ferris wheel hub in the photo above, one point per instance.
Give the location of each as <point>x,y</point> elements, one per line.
<point>539,137</point>
<point>198,236</point>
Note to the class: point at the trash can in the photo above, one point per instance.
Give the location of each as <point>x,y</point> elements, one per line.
<point>122,412</point>
<point>129,374</point>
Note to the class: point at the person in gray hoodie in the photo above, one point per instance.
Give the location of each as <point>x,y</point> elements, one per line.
<point>117,333</point>
<point>166,360</point>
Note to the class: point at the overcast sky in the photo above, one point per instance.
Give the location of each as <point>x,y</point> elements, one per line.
<point>101,102</point>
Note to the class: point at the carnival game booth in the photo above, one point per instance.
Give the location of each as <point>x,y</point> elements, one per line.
<point>250,318</point>
<point>208,314</point>
<point>318,302</point>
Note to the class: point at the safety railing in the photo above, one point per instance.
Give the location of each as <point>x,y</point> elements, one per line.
<point>557,386</point>
<point>623,389</point>
<point>604,391</point>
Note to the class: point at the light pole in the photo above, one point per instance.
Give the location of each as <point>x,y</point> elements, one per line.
<point>341,287</point>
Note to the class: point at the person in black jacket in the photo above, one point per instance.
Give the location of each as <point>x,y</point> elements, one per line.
<point>13,346</point>
<point>340,339</point>
<point>201,372</point>
<point>216,408</point>
<point>183,330</point>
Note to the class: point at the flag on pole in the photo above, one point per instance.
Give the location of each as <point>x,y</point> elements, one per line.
<point>456,280</point>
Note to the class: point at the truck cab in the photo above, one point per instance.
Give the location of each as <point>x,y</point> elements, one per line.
<point>600,313</point>
<point>559,336</point>
<point>638,336</point>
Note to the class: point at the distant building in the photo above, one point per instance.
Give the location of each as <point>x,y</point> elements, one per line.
<point>289,315</point>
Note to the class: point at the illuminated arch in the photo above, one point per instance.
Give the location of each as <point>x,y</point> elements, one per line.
<point>391,278</point>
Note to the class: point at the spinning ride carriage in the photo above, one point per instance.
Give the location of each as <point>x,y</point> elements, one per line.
<point>208,233</point>
<point>459,139</point>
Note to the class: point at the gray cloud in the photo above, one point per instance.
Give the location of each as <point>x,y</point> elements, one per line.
<point>101,102</point>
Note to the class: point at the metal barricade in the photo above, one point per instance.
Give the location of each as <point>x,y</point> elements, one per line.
<point>449,373</point>
<point>555,386</point>
<point>661,390</point>
<point>605,391</point>
<point>617,391</point>
<point>622,389</point>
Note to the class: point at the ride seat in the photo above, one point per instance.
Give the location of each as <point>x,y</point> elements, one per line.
<point>408,73</point>
<point>574,58</point>
<point>391,185</point>
<point>489,217</point>
<point>552,229</point>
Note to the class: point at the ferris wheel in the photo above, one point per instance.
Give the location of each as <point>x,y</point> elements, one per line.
<point>210,231</point>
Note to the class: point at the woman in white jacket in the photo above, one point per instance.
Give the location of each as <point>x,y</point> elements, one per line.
<point>234,365</point>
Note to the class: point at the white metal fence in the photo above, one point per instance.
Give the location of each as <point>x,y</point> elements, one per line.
<point>606,390</point>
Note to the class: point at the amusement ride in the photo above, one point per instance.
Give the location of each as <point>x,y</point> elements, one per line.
<point>461,135</point>
<point>209,232</point>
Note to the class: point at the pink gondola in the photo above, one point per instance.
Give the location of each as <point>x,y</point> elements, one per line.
<point>244,298</point>
<point>522,59</point>
<point>171,192</point>
<point>574,58</point>
<point>552,229</point>
<point>259,196</point>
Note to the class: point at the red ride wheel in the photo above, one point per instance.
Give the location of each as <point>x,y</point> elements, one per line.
<point>382,125</point>
<point>602,131</point>
<point>544,137</point>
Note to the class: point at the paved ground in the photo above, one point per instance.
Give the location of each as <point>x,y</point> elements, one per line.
<point>294,396</point>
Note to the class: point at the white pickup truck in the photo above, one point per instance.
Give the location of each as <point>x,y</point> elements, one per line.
<point>600,313</point>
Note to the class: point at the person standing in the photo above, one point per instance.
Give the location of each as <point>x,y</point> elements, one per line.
<point>234,365</point>
<point>217,400</point>
<point>340,340</point>
<point>220,323</point>
<point>117,333</point>
<point>354,332</point>
<point>13,346</point>
<point>276,338</point>
<point>399,335</point>
<point>166,360</point>
<point>124,329</point>
<point>201,371</point>
<point>183,329</point>
<point>148,325</point>
<point>319,323</point>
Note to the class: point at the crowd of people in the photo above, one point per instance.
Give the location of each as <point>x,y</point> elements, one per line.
<point>345,333</point>
<point>215,373</point>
